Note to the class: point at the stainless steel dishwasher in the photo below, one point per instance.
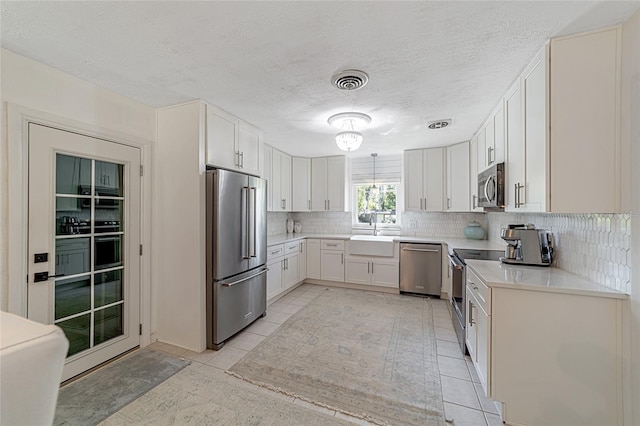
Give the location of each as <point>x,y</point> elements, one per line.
<point>421,268</point>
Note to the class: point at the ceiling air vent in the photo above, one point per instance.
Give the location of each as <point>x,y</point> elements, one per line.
<point>439,124</point>
<point>350,80</point>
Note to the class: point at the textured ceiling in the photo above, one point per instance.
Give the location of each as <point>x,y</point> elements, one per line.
<point>270,63</point>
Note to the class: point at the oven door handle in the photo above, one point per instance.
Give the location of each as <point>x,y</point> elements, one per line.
<point>455,263</point>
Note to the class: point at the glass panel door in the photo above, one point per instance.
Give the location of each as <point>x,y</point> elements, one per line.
<point>84,243</point>
<point>89,257</point>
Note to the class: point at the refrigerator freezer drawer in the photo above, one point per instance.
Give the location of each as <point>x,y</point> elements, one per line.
<point>234,304</point>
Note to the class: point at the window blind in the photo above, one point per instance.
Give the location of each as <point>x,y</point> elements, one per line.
<point>388,169</point>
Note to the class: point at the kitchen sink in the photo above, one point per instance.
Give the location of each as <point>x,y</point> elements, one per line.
<point>371,245</point>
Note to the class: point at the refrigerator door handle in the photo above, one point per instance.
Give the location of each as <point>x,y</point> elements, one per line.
<point>255,221</point>
<point>247,234</point>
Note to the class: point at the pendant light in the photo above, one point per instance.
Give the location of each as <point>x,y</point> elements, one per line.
<point>374,188</point>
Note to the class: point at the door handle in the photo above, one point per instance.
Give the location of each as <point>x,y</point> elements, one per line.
<point>486,189</point>
<point>368,266</point>
<point>247,236</point>
<point>44,276</point>
<point>245,279</point>
<point>242,160</point>
<point>454,264</point>
<point>425,250</point>
<point>342,258</point>
<point>255,221</point>
<point>518,187</point>
<point>475,198</point>
<point>371,268</point>
<point>309,204</point>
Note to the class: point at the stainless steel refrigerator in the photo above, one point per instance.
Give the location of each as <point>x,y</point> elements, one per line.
<point>236,253</point>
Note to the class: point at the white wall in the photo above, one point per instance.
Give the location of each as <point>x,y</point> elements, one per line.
<point>180,219</point>
<point>28,85</point>
<point>630,123</point>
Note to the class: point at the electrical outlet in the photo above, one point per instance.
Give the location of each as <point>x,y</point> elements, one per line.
<point>413,223</point>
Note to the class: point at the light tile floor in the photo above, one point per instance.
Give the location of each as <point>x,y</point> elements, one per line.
<point>464,399</point>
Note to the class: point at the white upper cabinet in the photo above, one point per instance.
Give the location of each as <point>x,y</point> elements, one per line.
<point>424,179</point>
<point>267,174</point>
<point>534,90</point>
<point>473,174</point>
<point>514,166</point>
<point>493,143</point>
<point>527,141</point>
<point>458,177</point>
<point>328,180</point>
<point>301,184</point>
<point>584,107</point>
<point>562,128</point>
<point>232,144</point>
<point>250,149</point>
<point>280,181</point>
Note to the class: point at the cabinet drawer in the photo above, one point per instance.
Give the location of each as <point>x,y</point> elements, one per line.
<point>275,251</point>
<point>292,247</point>
<point>332,244</point>
<point>479,290</point>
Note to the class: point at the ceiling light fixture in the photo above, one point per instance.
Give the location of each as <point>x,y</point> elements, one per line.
<point>358,120</point>
<point>349,138</point>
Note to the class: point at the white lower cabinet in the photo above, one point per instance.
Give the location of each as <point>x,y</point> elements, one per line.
<point>302,261</point>
<point>313,258</point>
<point>332,260</point>
<point>283,261</point>
<point>372,271</point>
<point>291,271</point>
<point>274,278</point>
<point>533,349</point>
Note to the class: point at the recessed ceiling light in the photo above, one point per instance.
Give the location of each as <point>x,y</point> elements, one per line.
<point>439,124</point>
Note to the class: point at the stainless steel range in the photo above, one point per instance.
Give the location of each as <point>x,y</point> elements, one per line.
<point>459,279</point>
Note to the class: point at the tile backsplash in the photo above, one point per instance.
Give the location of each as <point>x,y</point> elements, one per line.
<point>594,246</point>
<point>442,225</point>
<point>276,223</point>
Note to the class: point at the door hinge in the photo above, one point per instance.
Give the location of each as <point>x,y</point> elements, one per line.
<point>140,249</point>
<point>141,170</point>
<point>140,330</point>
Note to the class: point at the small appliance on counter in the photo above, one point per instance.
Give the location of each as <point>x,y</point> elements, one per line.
<point>289,226</point>
<point>297,227</point>
<point>527,245</point>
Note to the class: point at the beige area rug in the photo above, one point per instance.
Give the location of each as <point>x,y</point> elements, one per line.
<point>367,354</point>
<point>203,395</point>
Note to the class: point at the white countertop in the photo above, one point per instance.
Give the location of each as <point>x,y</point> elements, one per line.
<point>272,240</point>
<point>538,278</point>
<point>453,243</point>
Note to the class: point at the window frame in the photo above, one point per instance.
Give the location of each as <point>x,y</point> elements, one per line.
<point>355,225</point>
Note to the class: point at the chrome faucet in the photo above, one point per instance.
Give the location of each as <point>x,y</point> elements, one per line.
<point>375,226</point>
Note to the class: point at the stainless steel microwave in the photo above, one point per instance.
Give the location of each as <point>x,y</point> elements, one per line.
<point>100,192</point>
<point>491,187</point>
